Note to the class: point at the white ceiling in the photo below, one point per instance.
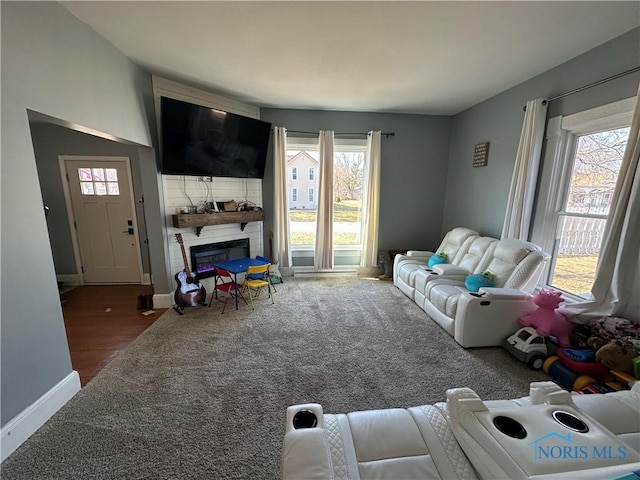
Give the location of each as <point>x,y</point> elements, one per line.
<point>411,57</point>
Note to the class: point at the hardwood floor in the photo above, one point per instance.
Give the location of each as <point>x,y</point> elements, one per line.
<point>101,321</point>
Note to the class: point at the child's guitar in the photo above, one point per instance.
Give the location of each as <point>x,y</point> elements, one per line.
<point>189,293</point>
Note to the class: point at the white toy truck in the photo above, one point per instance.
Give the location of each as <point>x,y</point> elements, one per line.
<point>527,346</point>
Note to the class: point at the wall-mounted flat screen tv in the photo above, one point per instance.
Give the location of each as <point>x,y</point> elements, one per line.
<point>198,140</point>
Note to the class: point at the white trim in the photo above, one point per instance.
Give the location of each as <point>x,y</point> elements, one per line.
<point>163,300</point>
<point>146,279</point>
<point>70,217</point>
<point>68,279</point>
<point>26,423</point>
<point>558,162</point>
<point>313,272</point>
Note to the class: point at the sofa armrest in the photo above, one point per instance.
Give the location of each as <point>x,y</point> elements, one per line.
<point>495,293</point>
<point>450,270</point>
<point>412,256</point>
<point>486,318</point>
<point>419,253</point>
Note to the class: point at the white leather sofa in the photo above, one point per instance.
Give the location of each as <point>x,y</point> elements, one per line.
<point>466,438</point>
<point>405,267</point>
<point>485,318</point>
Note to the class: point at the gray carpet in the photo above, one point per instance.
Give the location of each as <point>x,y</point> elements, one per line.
<point>204,395</point>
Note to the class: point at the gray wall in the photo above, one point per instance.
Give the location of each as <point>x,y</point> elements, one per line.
<point>413,170</point>
<point>49,141</point>
<point>52,64</point>
<point>477,197</point>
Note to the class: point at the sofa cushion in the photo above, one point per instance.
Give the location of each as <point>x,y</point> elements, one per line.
<point>445,296</point>
<point>510,253</point>
<point>480,250</point>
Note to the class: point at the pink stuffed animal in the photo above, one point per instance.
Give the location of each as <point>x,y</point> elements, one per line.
<point>546,320</point>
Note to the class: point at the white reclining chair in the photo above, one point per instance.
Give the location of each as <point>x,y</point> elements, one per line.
<point>455,244</point>
<point>479,253</point>
<point>485,318</point>
<point>467,438</point>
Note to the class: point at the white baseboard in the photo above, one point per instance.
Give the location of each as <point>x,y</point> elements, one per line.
<point>312,272</point>
<point>69,279</point>
<point>163,300</point>
<point>25,424</point>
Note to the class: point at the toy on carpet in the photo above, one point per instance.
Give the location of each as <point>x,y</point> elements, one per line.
<point>564,376</point>
<point>479,280</point>
<point>546,319</point>
<point>527,346</point>
<point>437,259</point>
<point>578,361</point>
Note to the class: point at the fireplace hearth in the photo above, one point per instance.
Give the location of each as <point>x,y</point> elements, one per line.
<point>203,257</point>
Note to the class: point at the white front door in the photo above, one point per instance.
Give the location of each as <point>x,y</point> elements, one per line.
<point>101,195</point>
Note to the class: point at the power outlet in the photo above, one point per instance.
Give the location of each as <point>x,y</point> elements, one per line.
<point>205,179</point>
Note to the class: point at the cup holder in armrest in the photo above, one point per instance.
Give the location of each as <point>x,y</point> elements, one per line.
<point>570,421</point>
<point>305,419</point>
<point>510,427</point>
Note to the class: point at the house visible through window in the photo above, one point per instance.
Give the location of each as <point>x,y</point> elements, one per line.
<point>294,195</point>
<point>294,173</point>
<point>578,192</point>
<point>348,173</point>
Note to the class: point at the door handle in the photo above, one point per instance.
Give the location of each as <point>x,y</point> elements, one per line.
<point>128,231</point>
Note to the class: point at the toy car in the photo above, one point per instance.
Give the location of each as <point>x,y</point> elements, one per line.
<point>527,346</point>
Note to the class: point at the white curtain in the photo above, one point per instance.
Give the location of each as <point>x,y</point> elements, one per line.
<point>371,201</point>
<point>517,219</point>
<point>281,246</point>
<point>616,290</point>
<point>324,226</point>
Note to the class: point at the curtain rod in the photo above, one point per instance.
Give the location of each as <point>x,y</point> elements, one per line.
<point>594,84</point>
<point>341,134</point>
<point>585,87</point>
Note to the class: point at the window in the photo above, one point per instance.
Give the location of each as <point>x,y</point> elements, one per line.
<point>294,173</point>
<point>581,166</point>
<point>348,171</point>
<point>99,181</point>
<point>294,195</point>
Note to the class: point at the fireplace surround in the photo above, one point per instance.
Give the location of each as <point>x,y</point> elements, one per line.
<point>203,257</point>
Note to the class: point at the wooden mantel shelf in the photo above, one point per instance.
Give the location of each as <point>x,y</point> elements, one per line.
<point>199,220</point>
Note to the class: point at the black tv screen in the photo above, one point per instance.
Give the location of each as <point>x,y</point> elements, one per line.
<point>198,140</point>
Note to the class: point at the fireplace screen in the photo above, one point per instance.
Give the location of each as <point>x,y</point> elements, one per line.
<point>203,257</point>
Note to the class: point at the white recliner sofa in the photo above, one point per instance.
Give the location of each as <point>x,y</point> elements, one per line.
<point>487,317</point>
<point>405,267</point>
<point>583,436</point>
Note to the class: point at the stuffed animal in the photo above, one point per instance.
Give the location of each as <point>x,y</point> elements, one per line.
<point>616,341</point>
<point>478,280</point>
<point>617,356</point>
<point>546,320</point>
<point>437,258</point>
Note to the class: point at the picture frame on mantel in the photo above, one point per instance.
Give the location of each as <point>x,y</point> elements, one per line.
<point>481,155</point>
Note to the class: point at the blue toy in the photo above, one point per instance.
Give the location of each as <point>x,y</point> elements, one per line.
<point>437,258</point>
<point>478,280</point>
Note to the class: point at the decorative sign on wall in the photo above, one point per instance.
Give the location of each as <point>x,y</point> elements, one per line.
<point>481,154</point>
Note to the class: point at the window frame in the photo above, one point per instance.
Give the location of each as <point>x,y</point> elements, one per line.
<point>294,173</point>
<point>294,194</point>
<point>312,174</point>
<point>561,137</point>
